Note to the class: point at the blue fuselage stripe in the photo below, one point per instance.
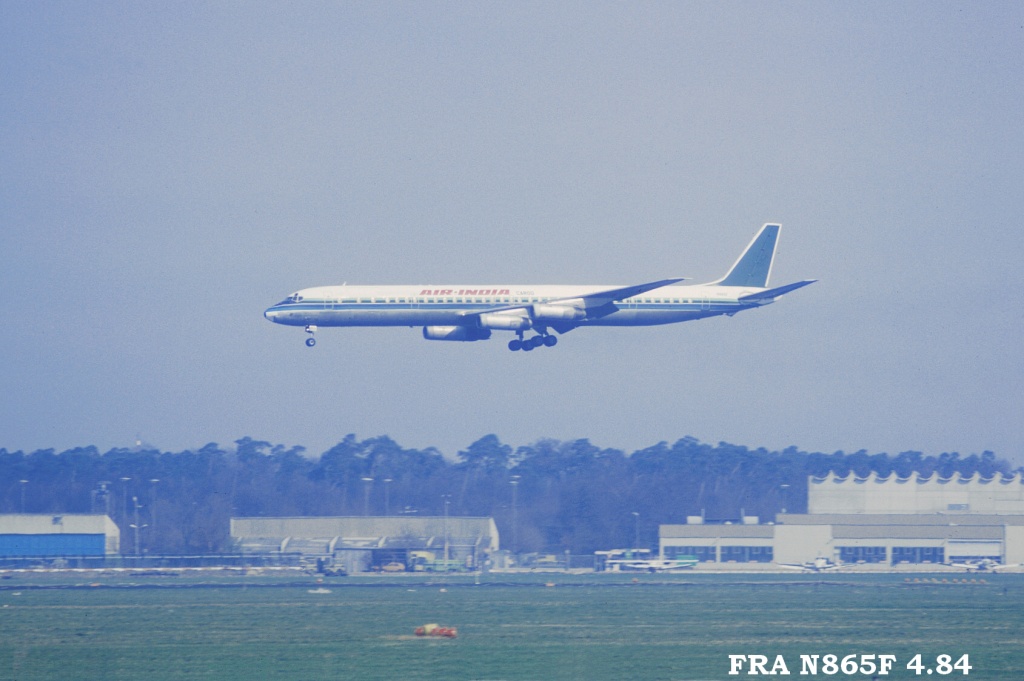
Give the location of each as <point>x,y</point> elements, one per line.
<point>330,313</point>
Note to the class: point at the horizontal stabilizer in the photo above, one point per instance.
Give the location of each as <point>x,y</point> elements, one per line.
<point>776,292</point>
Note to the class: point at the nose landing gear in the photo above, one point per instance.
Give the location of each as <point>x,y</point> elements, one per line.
<point>311,341</point>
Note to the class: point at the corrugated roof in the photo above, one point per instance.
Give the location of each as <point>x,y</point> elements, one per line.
<point>974,532</point>
<point>898,519</point>
<point>723,531</point>
<point>57,523</point>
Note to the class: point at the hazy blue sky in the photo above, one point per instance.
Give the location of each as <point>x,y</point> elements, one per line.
<point>169,170</point>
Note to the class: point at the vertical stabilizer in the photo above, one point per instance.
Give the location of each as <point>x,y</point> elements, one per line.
<point>755,265</point>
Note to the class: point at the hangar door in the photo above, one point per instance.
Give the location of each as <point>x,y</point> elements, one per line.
<point>959,550</point>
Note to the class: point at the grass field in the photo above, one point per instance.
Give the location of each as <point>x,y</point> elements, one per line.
<point>585,627</point>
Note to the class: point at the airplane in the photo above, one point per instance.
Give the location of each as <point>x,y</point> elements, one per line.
<point>982,565</point>
<point>628,560</point>
<point>471,313</point>
<point>652,565</point>
<point>816,565</point>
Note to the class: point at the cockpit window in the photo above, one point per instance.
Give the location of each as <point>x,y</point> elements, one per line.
<point>293,298</point>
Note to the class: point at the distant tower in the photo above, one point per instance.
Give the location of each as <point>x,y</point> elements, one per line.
<point>101,499</point>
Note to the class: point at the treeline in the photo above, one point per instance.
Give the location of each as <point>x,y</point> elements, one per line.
<point>564,496</point>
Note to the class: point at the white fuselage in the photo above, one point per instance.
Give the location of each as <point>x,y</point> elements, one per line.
<point>430,305</point>
<point>471,313</point>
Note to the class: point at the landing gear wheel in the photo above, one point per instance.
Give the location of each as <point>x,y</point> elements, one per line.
<point>515,344</point>
<point>528,345</point>
<point>536,342</point>
<point>310,329</point>
<point>550,341</point>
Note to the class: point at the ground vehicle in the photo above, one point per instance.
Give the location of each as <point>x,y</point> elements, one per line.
<point>428,561</point>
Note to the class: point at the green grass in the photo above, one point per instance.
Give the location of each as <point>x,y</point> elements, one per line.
<point>586,627</point>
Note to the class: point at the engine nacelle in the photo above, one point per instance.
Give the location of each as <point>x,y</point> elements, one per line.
<point>558,312</point>
<point>507,322</point>
<point>455,333</point>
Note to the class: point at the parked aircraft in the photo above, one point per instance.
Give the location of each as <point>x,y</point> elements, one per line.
<point>816,565</point>
<point>471,313</point>
<point>982,565</point>
<point>655,565</point>
<point>629,560</point>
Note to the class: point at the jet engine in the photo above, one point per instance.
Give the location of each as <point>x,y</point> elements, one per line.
<point>455,333</point>
<point>558,312</point>
<point>508,322</point>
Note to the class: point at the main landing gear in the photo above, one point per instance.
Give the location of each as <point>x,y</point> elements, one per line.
<point>528,344</point>
<point>311,341</point>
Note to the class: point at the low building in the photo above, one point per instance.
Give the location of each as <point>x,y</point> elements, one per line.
<point>57,536</point>
<point>900,539</point>
<point>746,542</point>
<point>887,522</point>
<point>360,544</point>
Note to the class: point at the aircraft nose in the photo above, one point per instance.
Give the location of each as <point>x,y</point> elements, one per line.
<point>271,313</point>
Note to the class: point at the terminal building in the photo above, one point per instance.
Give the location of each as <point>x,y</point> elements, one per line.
<point>363,544</point>
<point>882,522</point>
<point>48,536</point>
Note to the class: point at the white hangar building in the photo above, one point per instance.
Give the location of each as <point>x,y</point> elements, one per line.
<point>885,522</point>
<point>369,542</point>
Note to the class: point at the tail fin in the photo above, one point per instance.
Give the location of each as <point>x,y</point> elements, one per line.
<point>755,265</point>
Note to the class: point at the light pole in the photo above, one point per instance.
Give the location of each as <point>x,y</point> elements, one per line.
<point>23,483</point>
<point>447,499</point>
<point>387,496</point>
<point>367,481</point>
<point>152,510</point>
<point>124,498</point>
<point>785,495</point>
<point>515,515</point>
<point>136,526</point>
<point>636,530</point>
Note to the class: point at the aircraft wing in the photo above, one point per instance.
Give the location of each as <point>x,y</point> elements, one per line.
<point>599,298</point>
<point>602,303</point>
<point>595,304</point>
<point>810,567</point>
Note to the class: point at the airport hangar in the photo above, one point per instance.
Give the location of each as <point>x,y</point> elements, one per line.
<point>881,522</point>
<point>54,536</point>
<point>369,543</point>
